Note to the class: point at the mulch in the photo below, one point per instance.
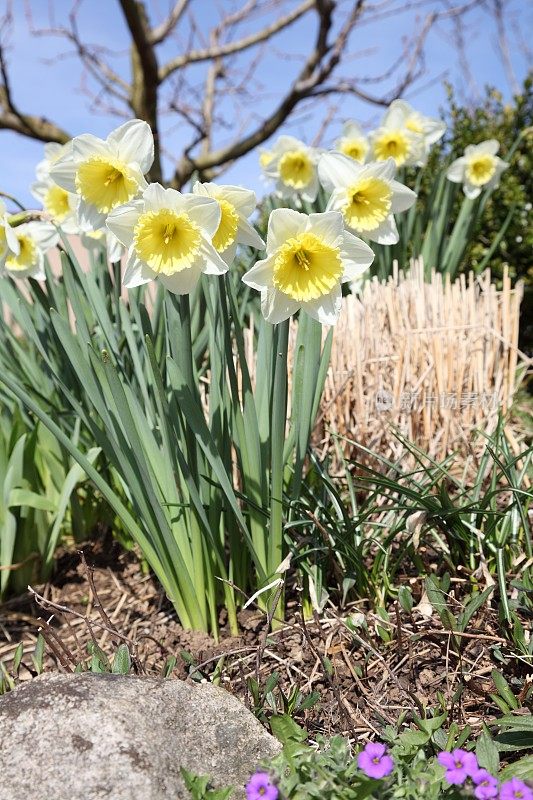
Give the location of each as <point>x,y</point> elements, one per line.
<point>367,671</point>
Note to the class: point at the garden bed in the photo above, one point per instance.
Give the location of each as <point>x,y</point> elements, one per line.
<point>373,675</point>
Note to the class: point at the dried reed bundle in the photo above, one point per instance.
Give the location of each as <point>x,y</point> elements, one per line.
<point>432,360</point>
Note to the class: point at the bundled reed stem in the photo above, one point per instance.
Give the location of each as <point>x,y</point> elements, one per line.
<point>432,360</point>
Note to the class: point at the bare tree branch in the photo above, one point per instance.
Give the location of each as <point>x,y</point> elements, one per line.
<point>221,104</point>
<point>498,11</point>
<point>159,34</point>
<point>316,69</point>
<point>195,56</point>
<point>145,78</point>
<point>11,118</point>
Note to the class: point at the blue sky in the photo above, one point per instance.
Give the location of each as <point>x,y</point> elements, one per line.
<point>43,84</point>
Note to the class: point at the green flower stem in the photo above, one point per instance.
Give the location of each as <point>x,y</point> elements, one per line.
<point>278,425</point>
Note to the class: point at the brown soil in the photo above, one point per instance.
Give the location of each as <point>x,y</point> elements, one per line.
<point>364,680</point>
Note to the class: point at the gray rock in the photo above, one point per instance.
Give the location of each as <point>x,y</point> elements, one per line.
<point>117,737</point>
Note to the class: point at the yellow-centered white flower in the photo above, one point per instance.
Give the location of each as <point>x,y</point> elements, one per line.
<point>105,173</point>
<point>308,258</point>
<point>393,139</point>
<point>236,204</point>
<point>366,195</point>
<point>169,237</point>
<point>293,167</point>
<point>403,116</point>
<point>27,259</point>
<point>59,204</point>
<point>353,142</point>
<point>479,168</point>
<point>9,244</point>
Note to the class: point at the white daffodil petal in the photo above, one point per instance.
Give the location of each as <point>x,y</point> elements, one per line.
<point>182,282</point>
<point>243,200</point>
<point>433,130</point>
<point>38,273</point>
<point>456,170</point>
<point>337,201</point>
<point>384,170</point>
<point>136,273</point>
<point>337,171</point>
<point>214,264</point>
<point>122,221</point>
<point>310,192</point>
<point>277,307</point>
<point>327,308</point>
<point>329,226</point>
<point>284,223</point>
<point>89,218</point>
<point>356,256</point>
<point>387,233</point>
<point>53,150</point>
<point>63,172</point>
<point>260,275</point>
<point>202,189</point>
<point>11,239</point>
<point>285,142</point>
<point>228,255</point>
<point>134,141</point>
<point>205,212</point>
<point>490,146</point>
<point>44,234</point>
<point>39,189</point>
<point>397,114</point>
<point>471,191</point>
<point>248,235</point>
<point>157,197</point>
<point>115,249</point>
<point>352,130</point>
<point>87,145</point>
<point>402,197</point>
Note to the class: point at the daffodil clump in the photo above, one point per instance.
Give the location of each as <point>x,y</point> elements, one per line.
<point>203,453</point>
<point>404,135</point>
<point>98,189</point>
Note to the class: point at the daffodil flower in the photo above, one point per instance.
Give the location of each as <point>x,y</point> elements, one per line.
<point>293,167</point>
<point>59,204</point>
<point>105,174</point>
<point>27,259</point>
<point>479,168</point>
<point>393,139</point>
<point>366,195</point>
<point>8,238</point>
<point>169,237</point>
<point>236,204</point>
<point>353,142</point>
<point>404,116</point>
<point>308,258</point>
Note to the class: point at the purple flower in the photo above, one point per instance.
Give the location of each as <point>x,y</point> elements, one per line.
<point>459,766</point>
<point>260,787</point>
<point>485,783</point>
<point>515,790</point>
<point>374,761</point>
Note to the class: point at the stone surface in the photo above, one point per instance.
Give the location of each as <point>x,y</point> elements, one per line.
<point>112,737</point>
